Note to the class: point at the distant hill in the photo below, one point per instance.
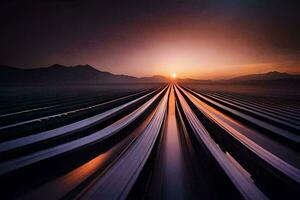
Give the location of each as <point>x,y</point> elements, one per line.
<point>270,76</point>
<point>193,81</point>
<point>85,74</point>
<point>59,75</point>
<point>156,78</point>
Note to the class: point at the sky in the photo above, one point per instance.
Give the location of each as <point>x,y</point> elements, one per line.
<point>208,39</point>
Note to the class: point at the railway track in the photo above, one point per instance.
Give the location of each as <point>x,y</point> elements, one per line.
<point>167,142</point>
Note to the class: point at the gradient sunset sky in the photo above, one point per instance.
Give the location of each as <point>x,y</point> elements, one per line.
<point>207,39</point>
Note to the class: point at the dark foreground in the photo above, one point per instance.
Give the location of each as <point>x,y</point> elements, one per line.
<point>149,142</point>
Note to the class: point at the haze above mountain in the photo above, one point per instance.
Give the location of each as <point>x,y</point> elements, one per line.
<point>86,74</point>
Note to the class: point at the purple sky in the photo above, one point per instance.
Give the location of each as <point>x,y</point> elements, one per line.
<point>199,39</point>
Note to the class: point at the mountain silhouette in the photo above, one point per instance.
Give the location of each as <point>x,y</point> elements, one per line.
<point>85,74</point>
<point>274,75</point>
<point>60,74</point>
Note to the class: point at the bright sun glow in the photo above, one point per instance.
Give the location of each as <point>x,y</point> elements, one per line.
<point>173,75</point>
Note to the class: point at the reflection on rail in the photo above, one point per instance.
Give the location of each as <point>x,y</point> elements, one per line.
<point>122,147</point>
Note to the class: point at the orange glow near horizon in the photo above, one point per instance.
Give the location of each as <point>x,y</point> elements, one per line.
<point>215,72</point>
<point>194,59</point>
<point>199,51</point>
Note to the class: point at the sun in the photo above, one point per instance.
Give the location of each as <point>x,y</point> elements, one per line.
<point>173,75</point>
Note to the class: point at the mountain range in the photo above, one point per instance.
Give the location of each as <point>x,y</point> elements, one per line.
<point>59,74</point>
<point>274,75</point>
<point>85,74</point>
